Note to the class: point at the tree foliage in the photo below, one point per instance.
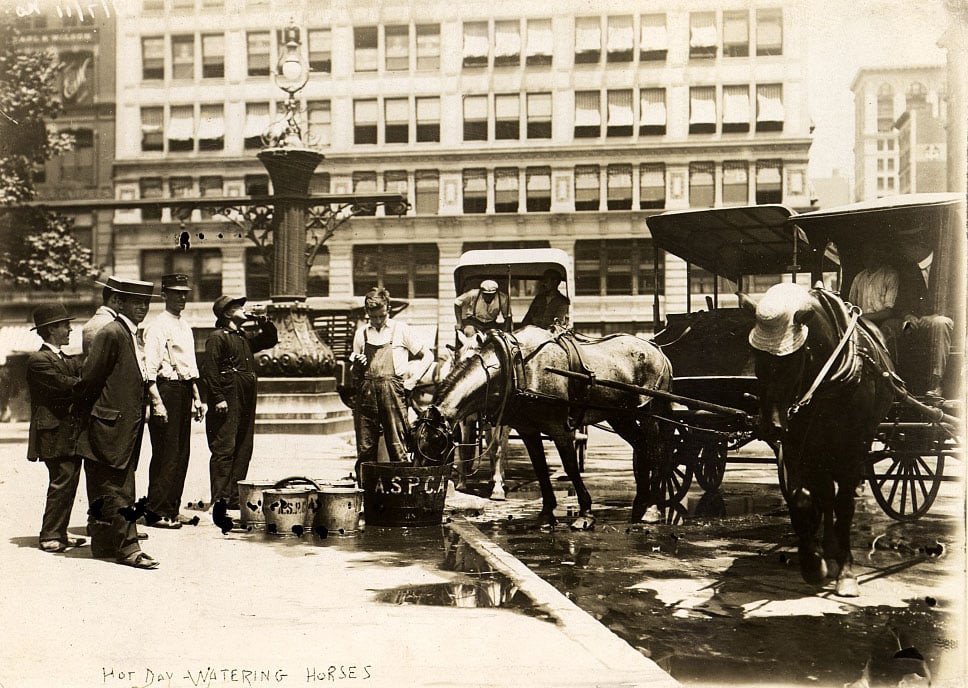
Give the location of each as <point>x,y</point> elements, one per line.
<point>38,249</point>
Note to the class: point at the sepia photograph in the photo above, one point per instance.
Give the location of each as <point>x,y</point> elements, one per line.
<point>593,343</point>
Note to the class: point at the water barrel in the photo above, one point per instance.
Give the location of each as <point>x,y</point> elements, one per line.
<point>286,509</point>
<point>250,502</point>
<point>337,509</point>
<point>401,494</point>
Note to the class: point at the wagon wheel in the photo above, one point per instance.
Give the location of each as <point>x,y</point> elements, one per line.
<point>676,470</point>
<point>581,445</point>
<point>711,465</point>
<point>905,472</point>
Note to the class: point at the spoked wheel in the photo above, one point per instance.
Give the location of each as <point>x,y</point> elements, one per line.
<point>711,465</point>
<point>905,479</point>
<point>676,470</point>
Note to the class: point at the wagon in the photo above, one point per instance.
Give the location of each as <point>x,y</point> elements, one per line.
<point>744,249</point>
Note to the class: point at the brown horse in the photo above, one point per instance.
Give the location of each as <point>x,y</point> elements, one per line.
<point>824,388</point>
<point>508,384</point>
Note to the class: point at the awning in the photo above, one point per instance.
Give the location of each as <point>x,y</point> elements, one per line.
<point>620,35</point>
<point>653,111</point>
<point>507,39</point>
<point>769,103</point>
<point>540,39</point>
<point>620,109</point>
<point>736,105</point>
<point>654,36</point>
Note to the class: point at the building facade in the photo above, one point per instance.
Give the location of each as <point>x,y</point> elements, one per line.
<point>508,124</point>
<point>881,97</point>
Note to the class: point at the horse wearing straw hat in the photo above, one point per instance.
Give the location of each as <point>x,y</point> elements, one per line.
<point>824,388</point>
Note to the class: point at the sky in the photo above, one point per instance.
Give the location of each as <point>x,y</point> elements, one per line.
<point>847,35</point>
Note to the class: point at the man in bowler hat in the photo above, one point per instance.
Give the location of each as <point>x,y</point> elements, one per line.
<point>231,380</point>
<point>112,403</point>
<point>51,378</point>
<point>170,361</point>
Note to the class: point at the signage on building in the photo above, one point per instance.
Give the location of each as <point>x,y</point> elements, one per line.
<point>931,151</point>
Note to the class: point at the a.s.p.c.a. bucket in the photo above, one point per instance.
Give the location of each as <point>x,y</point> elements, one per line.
<point>401,494</point>
<point>337,509</point>
<point>250,502</point>
<point>287,509</point>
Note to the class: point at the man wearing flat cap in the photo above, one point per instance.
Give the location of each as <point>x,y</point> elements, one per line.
<point>112,402</point>
<point>171,364</point>
<point>231,380</point>
<point>51,378</point>
<point>481,308</point>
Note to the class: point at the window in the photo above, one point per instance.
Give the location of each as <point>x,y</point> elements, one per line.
<point>507,44</point>
<point>428,120</point>
<point>320,120</point>
<point>916,96</point>
<point>428,46</point>
<point>256,122</point>
<point>769,107</point>
<point>538,189</point>
<point>257,46</point>
<point>152,128</point>
<point>588,115</point>
<point>320,183</point>
<point>364,49</point>
<point>427,192</point>
<point>77,165</point>
<point>620,117</point>
<point>702,110</point>
<point>507,117</point>
<point>736,34</point>
<point>539,115</point>
<point>619,187</point>
<point>616,267</point>
<point>213,4</point>
<point>364,121</point>
<point>180,187</point>
<point>202,265</point>
<point>736,109</point>
<point>153,58</point>
<point>475,118</point>
<point>407,271</point>
<point>475,44</point>
<point>150,6</point>
<point>365,183</point>
<point>540,42</point>
<point>210,187</point>
<point>213,56</point>
<point>703,37</point>
<point>885,107</point>
<point>654,40</point>
<point>702,188</point>
<point>258,281</point>
<point>588,40</point>
<point>397,48</point>
<point>211,128</point>
<point>652,112</point>
<point>256,184</point>
<point>397,125</point>
<point>475,191</point>
<point>320,50</point>
<point>317,277</point>
<point>506,198</point>
<point>587,188</point>
<point>652,186</point>
<point>150,187</point>
<point>769,185</point>
<point>769,32</point>
<point>621,38</point>
<point>181,129</point>
<point>736,186</point>
<point>395,181</point>
<point>182,57</point>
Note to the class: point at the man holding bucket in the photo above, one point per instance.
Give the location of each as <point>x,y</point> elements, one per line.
<point>382,349</point>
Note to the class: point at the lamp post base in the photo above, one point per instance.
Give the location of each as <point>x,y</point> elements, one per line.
<point>300,352</point>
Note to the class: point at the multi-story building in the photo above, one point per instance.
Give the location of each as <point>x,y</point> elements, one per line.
<point>921,152</point>
<point>881,96</point>
<point>505,124</point>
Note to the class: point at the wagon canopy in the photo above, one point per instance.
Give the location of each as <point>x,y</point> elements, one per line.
<point>736,241</point>
<point>517,263</point>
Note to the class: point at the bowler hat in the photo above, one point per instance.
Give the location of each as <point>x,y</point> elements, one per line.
<point>177,281</point>
<point>489,287</point>
<point>129,286</point>
<point>48,314</point>
<point>224,301</point>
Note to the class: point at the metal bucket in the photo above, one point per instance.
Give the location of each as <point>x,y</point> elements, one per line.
<point>401,494</point>
<point>337,509</point>
<point>287,509</point>
<point>250,502</point>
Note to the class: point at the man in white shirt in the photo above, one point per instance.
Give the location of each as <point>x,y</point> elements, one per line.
<point>481,308</point>
<point>383,349</point>
<point>170,363</point>
<point>874,288</point>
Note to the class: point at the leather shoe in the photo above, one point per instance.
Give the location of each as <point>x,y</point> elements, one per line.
<point>53,546</point>
<point>139,560</point>
<point>165,522</point>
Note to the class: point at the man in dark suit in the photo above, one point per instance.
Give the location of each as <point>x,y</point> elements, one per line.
<point>106,312</point>
<point>112,404</point>
<point>51,378</point>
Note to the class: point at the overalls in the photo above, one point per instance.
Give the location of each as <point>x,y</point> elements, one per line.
<point>382,404</point>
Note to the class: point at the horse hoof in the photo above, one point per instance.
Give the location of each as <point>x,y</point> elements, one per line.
<point>652,515</point>
<point>813,568</point>
<point>847,587</point>
<point>833,568</point>
<point>586,522</point>
<point>547,521</point>
<point>497,494</point>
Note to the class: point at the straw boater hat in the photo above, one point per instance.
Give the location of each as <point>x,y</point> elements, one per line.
<point>775,331</point>
<point>176,281</point>
<point>129,286</point>
<point>48,314</point>
<point>489,287</point>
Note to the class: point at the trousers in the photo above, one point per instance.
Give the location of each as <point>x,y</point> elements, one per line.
<point>230,438</point>
<point>382,405</point>
<point>111,492</point>
<point>65,474</point>
<point>170,448</point>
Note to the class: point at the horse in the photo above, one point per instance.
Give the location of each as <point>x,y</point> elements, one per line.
<point>825,385</point>
<point>508,383</point>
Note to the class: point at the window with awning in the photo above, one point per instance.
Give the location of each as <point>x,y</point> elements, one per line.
<point>539,115</point>
<point>769,32</point>
<point>181,129</point>
<point>588,40</point>
<point>620,118</point>
<point>769,107</point>
<point>702,189</point>
<point>506,190</point>
<point>475,118</point>
<point>395,181</point>
<point>619,185</point>
<point>652,113</point>
<point>588,115</point>
<point>540,46</point>
<point>213,56</point>
<point>150,187</point>
<point>180,187</point>
<point>152,128</point>
<point>587,187</point>
<point>736,108</point>
<point>428,46</point>
<point>620,39</point>
<point>320,50</point>
<point>702,110</point>
<point>652,186</point>
<point>507,116</point>
<point>736,34</point>
<point>396,120</point>
<point>475,191</point>
<point>538,189</point>
<point>211,128</point>
<point>207,187</point>
<point>365,115</point>
<point>427,192</point>
<point>153,58</point>
<point>320,118</point>
<point>736,187</point>
<point>428,119</point>
<point>703,37</point>
<point>476,44</point>
<point>653,38</point>
<point>397,43</point>
<point>365,48</point>
<point>507,43</point>
<point>256,122</point>
<point>769,182</point>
